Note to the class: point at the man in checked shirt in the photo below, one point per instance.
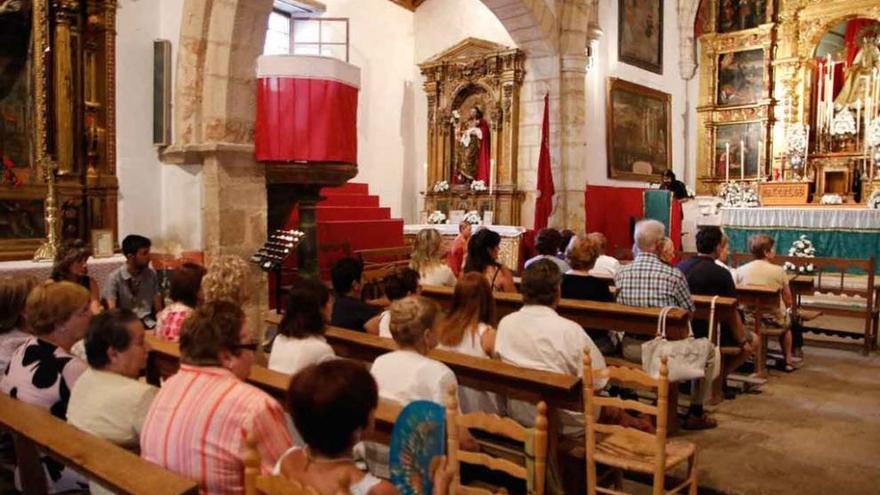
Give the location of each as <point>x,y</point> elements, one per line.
<point>649,282</point>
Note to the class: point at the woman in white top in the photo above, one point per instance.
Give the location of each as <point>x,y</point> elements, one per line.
<point>13,296</point>
<point>468,330</point>
<point>426,259</point>
<point>399,284</point>
<point>300,341</point>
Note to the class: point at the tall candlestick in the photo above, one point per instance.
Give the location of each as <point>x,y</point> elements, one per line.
<point>742,160</point>
<point>726,162</point>
<point>491,176</point>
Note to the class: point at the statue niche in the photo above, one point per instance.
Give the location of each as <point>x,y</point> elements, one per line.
<point>472,138</point>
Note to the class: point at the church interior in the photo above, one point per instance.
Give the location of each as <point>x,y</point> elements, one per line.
<point>581,246</point>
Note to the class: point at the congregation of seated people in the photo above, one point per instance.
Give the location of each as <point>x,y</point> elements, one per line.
<point>197,423</point>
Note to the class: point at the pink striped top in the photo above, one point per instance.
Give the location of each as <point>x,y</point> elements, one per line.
<point>198,423</point>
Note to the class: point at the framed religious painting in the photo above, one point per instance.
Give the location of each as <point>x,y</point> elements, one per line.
<point>638,135</point>
<point>640,34</point>
<point>737,15</point>
<point>738,150</point>
<point>740,78</point>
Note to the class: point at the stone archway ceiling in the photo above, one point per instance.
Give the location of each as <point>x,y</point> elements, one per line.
<point>409,4</point>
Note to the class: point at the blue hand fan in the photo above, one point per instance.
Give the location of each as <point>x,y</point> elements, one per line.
<point>419,436</point>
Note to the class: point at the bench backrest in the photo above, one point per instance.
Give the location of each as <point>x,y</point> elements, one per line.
<point>95,458</point>
<point>830,274</point>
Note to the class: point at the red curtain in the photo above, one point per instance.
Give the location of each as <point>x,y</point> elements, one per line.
<point>612,211</point>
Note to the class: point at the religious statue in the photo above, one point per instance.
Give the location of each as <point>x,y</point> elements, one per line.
<point>474,151</point>
<point>857,75</point>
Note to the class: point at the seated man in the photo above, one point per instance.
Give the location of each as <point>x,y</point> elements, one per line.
<point>199,421</point>
<point>706,277</point>
<point>548,243</point>
<point>348,309</point>
<point>649,282</point>
<point>135,285</point>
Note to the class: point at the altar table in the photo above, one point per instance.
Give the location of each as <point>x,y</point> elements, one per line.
<point>836,232</point>
<point>511,239</point>
<point>99,268</point>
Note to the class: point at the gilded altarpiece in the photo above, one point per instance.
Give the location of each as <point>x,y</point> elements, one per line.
<point>474,74</point>
<point>789,39</point>
<point>57,112</point>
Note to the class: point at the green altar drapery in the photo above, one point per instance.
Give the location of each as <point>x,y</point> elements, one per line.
<point>828,243</point>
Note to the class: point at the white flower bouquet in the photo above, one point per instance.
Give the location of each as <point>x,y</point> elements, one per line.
<point>736,195</point>
<point>874,200</point>
<point>472,217</point>
<point>801,248</point>
<point>441,186</point>
<point>831,199</point>
<point>437,217</point>
<point>478,186</point>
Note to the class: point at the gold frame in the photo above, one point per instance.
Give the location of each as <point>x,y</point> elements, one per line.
<point>616,84</point>
<point>95,237</point>
<point>631,60</point>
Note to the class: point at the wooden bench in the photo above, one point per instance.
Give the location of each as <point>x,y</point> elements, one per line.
<point>34,429</point>
<point>830,277</point>
<point>164,361</point>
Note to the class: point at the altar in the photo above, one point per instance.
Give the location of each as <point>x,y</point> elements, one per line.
<point>511,239</point>
<point>836,232</point>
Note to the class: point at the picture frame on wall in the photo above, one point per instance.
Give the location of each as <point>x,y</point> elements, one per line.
<point>740,77</point>
<point>737,15</point>
<point>102,243</point>
<point>744,140</point>
<point>639,125</point>
<point>640,34</point>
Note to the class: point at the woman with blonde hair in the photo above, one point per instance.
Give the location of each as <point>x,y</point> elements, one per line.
<point>228,279</point>
<point>426,259</point>
<point>467,329</point>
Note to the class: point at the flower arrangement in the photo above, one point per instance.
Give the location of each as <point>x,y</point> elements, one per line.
<point>874,200</point>
<point>801,248</point>
<point>478,186</point>
<point>441,186</point>
<point>437,217</point>
<point>736,195</point>
<point>831,199</point>
<point>8,174</point>
<point>472,217</point>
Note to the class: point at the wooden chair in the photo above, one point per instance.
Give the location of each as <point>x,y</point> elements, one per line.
<point>533,439</point>
<point>256,483</point>
<point>629,449</point>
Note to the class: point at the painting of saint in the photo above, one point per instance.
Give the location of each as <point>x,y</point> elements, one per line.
<point>742,141</point>
<point>15,82</point>
<point>736,15</point>
<point>740,77</point>
<point>640,34</point>
<point>638,120</point>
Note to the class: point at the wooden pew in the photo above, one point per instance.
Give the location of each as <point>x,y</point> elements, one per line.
<point>164,361</point>
<point>97,459</point>
<point>761,300</point>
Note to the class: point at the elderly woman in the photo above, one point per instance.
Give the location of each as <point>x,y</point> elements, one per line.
<point>228,279</point>
<point>42,371</point>
<point>71,265</point>
<point>426,259</point>
<point>578,283</point>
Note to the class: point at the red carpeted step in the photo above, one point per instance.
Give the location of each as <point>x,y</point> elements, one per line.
<point>337,213</point>
<point>350,200</point>
<point>347,188</point>
<point>362,234</point>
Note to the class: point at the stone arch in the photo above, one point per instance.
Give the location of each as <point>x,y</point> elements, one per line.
<point>531,24</point>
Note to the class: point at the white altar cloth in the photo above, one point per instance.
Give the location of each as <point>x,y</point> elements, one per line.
<point>99,268</point>
<point>449,229</point>
<point>836,218</point>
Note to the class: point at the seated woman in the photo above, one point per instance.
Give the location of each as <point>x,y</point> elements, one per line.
<point>483,251</point>
<point>468,330</point>
<point>761,271</point>
<point>71,264</point>
<point>108,401</point>
<point>667,251</point>
<point>228,279</point>
<point>13,295</point>
<point>578,283</point>
<point>426,259</point>
<point>403,282</point>
<point>42,370</point>
<point>186,292</point>
<point>332,405</point>
<point>300,341</point>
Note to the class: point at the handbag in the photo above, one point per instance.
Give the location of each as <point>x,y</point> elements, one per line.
<point>714,367</point>
<point>686,358</point>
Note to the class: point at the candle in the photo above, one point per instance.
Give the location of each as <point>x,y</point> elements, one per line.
<point>742,160</point>
<point>726,162</point>
<point>807,149</point>
<point>491,176</point>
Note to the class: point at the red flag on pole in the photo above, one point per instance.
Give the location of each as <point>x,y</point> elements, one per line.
<point>544,202</point>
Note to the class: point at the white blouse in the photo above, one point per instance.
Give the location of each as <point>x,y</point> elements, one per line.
<point>405,376</point>
<point>475,400</point>
<point>439,274</point>
<point>385,325</point>
<point>289,354</point>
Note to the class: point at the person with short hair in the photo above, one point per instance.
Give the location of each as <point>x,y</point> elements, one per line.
<point>648,282</point>
<point>483,250</point>
<point>458,252</point>
<point>677,187</point>
<point>349,311</point>
<point>427,261</point>
<point>547,243</point>
<point>468,329</point>
<point>761,271</point>
<point>579,282</point>
<point>229,278</point>
<point>300,341</point>
<point>135,285</point>
<point>42,371</point>
<point>71,264</point>
<point>705,277</point>
<point>332,405</point>
<point>107,400</point>
<point>186,293</point>
<point>13,297</point>
<point>201,417</point>
<point>399,284</point>
<point>667,251</point>
<point>605,265</point>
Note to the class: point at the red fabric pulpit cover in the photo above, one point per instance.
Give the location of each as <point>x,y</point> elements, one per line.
<point>609,210</point>
<point>306,109</point>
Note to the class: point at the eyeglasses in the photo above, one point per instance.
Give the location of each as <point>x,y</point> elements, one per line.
<point>251,346</point>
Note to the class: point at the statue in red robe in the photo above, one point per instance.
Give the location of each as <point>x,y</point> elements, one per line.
<point>475,154</point>
<point>483,164</point>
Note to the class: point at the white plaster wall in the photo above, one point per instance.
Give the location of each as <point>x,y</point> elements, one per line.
<point>670,82</point>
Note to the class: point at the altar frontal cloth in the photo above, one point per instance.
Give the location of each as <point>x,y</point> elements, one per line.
<point>306,109</point>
